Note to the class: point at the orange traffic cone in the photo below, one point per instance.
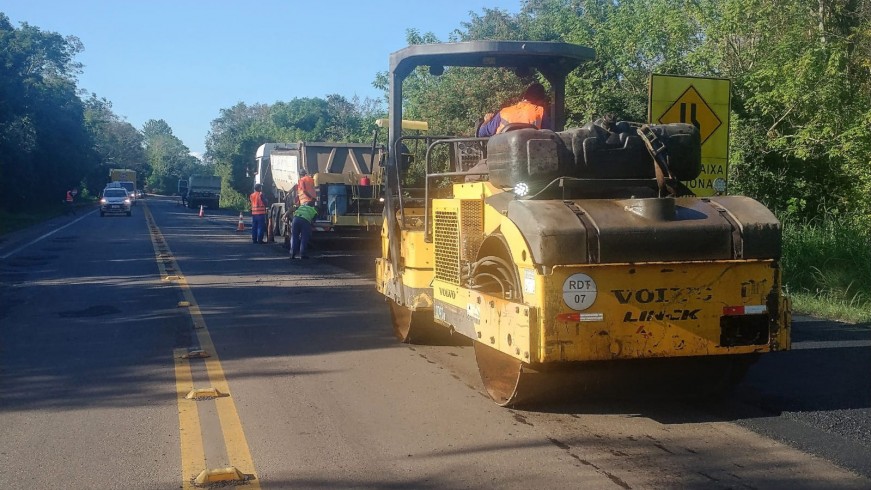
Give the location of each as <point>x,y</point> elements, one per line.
<point>241,225</point>
<point>201,211</point>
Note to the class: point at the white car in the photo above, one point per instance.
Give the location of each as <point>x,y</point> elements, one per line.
<point>115,200</point>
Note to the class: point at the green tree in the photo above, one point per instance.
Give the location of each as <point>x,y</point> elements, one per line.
<point>803,101</point>
<point>44,145</point>
<point>350,121</point>
<point>231,144</point>
<point>167,156</point>
<point>116,142</point>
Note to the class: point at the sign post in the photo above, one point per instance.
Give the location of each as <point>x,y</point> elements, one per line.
<point>703,102</point>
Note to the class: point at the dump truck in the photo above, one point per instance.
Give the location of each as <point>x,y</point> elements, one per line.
<point>575,251</point>
<point>203,190</point>
<point>347,180</point>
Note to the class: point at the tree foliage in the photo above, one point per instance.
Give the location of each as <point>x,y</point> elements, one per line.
<point>168,158</point>
<point>45,148</point>
<point>802,96</point>
<point>52,140</point>
<point>116,143</point>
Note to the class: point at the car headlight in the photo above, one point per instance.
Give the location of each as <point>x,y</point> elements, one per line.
<point>126,201</point>
<point>103,201</point>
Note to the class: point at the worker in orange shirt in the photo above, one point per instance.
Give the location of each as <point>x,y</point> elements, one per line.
<point>69,200</point>
<point>258,214</point>
<point>305,189</point>
<point>530,110</point>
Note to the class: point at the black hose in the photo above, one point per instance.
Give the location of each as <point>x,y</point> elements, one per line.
<point>501,286</point>
<point>503,266</point>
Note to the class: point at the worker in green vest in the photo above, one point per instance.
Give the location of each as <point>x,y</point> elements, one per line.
<point>301,230</point>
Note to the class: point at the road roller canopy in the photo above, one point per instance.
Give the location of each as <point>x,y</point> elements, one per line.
<point>549,58</point>
<point>554,61</point>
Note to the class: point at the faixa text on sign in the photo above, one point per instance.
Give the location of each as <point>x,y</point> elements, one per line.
<point>711,180</point>
<point>703,102</point>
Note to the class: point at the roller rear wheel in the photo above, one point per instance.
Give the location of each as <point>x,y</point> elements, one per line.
<point>508,381</point>
<point>415,327</point>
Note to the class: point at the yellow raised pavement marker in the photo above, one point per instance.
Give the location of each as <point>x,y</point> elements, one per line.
<point>220,475</point>
<point>205,394</point>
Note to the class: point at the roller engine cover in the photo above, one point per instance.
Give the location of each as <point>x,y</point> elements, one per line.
<point>536,157</point>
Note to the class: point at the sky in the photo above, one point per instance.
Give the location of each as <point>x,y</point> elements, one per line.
<point>184,60</point>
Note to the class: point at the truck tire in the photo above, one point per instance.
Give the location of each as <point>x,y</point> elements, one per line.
<point>274,221</point>
<point>281,226</point>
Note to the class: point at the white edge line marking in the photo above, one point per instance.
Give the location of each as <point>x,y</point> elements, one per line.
<point>52,232</point>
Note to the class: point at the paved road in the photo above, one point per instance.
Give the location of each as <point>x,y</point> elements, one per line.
<point>320,395</point>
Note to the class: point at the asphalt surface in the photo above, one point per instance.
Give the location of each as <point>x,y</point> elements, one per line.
<point>326,398</point>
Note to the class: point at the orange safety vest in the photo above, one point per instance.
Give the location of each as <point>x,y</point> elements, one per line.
<point>69,196</point>
<point>521,112</point>
<point>257,204</point>
<point>305,189</point>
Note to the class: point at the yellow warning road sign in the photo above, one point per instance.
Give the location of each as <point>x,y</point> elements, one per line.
<point>703,102</point>
<point>691,108</point>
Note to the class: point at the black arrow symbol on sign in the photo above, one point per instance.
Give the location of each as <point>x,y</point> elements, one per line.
<point>683,115</point>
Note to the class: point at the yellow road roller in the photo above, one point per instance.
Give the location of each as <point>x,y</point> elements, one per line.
<point>568,250</point>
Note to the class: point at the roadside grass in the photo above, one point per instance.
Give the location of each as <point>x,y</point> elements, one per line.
<point>827,267</point>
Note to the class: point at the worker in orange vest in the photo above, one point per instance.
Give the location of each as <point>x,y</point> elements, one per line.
<point>530,110</point>
<point>305,189</point>
<point>71,208</point>
<point>258,214</point>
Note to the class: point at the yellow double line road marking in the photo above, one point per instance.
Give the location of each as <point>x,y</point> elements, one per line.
<point>192,451</point>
